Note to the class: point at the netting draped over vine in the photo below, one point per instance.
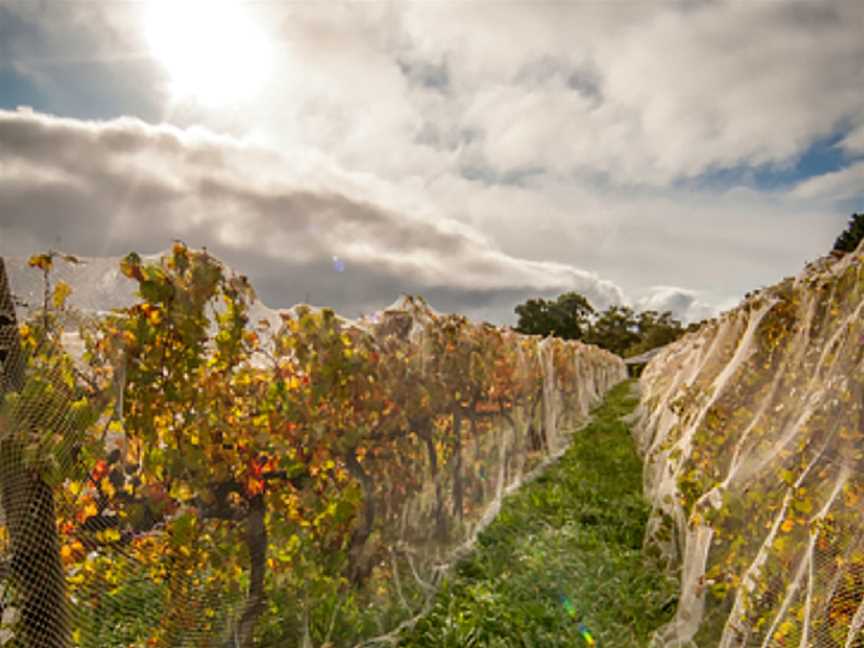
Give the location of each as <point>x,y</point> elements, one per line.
<point>194,471</point>
<point>753,434</point>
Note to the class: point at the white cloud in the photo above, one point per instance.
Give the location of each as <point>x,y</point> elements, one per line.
<point>666,92</point>
<point>639,94</point>
<point>684,304</point>
<point>853,143</point>
<point>834,186</point>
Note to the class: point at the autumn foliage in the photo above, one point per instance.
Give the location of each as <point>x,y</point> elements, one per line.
<point>752,431</point>
<point>216,479</point>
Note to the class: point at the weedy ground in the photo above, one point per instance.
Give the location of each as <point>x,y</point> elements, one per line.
<point>574,532</point>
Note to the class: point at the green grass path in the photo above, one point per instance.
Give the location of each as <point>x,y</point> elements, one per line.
<point>576,531</point>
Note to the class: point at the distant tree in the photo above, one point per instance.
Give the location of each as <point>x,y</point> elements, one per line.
<point>574,313</point>
<point>567,317</point>
<point>535,317</point>
<point>850,238</point>
<point>694,326</point>
<point>619,329</point>
<point>655,330</point>
<point>615,329</point>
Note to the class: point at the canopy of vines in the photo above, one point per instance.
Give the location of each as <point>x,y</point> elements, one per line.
<point>753,433</point>
<point>176,473</point>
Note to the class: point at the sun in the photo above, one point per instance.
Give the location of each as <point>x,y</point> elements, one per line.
<point>213,50</point>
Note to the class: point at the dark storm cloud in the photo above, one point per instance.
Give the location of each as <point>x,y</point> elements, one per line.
<point>364,288</point>
<point>105,188</point>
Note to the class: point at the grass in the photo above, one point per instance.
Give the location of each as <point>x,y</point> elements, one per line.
<point>576,532</point>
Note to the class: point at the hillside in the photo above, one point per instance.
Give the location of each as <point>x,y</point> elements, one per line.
<point>753,439</point>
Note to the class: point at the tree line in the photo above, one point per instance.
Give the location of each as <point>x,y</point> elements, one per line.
<point>619,329</point>
<point>622,329</point>
<point>850,237</point>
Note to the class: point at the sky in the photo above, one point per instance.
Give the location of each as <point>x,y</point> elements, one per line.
<point>661,154</point>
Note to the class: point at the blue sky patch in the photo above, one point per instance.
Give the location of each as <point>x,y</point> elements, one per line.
<point>823,156</point>
<point>16,90</point>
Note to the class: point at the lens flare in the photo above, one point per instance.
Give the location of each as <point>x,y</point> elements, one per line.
<point>583,630</point>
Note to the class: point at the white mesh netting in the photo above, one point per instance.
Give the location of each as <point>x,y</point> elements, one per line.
<point>753,436</point>
<point>195,470</point>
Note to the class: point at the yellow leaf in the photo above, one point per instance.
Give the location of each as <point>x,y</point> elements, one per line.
<point>107,487</point>
<point>787,525</point>
<point>41,261</point>
<point>181,491</point>
<point>61,293</point>
<point>108,535</point>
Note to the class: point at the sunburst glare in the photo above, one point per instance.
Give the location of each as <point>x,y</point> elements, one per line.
<point>214,52</point>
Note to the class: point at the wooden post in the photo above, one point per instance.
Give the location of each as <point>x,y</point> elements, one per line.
<point>34,565</point>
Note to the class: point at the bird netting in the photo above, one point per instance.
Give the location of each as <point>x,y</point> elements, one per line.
<point>191,469</point>
<point>753,435</point>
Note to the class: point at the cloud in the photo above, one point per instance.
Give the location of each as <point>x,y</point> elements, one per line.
<point>642,94</point>
<point>634,94</point>
<point>835,186</point>
<point>103,188</point>
<point>853,143</point>
<point>646,94</point>
<point>79,58</point>
<point>480,156</point>
<point>684,304</point>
